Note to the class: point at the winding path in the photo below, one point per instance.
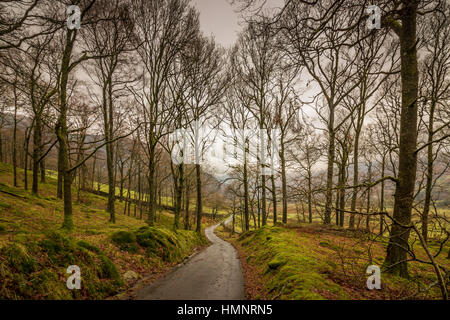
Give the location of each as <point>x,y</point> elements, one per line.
<point>213,274</point>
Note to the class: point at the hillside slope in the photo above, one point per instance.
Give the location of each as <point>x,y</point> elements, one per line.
<point>35,253</point>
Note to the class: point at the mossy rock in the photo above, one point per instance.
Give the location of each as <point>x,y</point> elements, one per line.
<point>125,241</point>
<point>156,243</point>
<point>170,245</point>
<point>61,249</point>
<point>108,270</point>
<point>148,238</point>
<point>89,247</point>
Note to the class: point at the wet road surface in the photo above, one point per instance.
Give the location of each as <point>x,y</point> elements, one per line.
<point>213,274</point>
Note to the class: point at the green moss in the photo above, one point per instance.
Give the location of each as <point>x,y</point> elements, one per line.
<point>29,279</point>
<point>292,272</point>
<point>170,245</point>
<point>109,270</point>
<point>147,238</point>
<point>59,248</point>
<point>125,241</point>
<point>276,263</point>
<point>4,205</point>
<point>35,258</point>
<point>325,244</point>
<point>89,246</point>
<point>18,259</point>
<point>22,237</point>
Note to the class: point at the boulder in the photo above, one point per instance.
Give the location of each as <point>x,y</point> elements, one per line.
<point>130,276</point>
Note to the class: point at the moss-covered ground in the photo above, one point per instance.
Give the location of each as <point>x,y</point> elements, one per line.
<point>35,252</point>
<point>317,262</point>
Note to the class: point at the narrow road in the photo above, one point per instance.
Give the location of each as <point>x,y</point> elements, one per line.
<point>213,274</point>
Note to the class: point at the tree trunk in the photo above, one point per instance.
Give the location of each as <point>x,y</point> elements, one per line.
<point>342,196</point>
<point>355,180</point>
<point>178,195</point>
<point>368,199</point>
<point>36,152</point>
<point>199,198</point>
<point>111,184</point>
<point>234,221</point>
<point>429,183</point>
<point>331,156</point>
<point>263,200</point>
<point>336,205</point>
<point>398,241</point>
<point>42,170</point>
<point>186,208</point>
<point>111,181</point>
<point>274,199</point>
<point>15,142</point>
<point>152,187</point>
<point>309,196</point>
<point>25,166</point>
<point>59,188</point>
<point>130,170</point>
<point>61,131</point>
<point>255,224</point>
<point>383,166</point>
<point>140,190</point>
<point>1,146</point>
<point>283,181</point>
<point>258,203</point>
<point>246,195</point>
<point>121,182</point>
<point>93,171</point>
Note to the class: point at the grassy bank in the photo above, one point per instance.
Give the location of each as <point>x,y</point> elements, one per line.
<point>315,262</point>
<point>35,253</point>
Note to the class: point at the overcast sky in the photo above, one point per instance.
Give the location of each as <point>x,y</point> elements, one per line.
<point>218,18</point>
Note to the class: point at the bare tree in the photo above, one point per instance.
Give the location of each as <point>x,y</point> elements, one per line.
<point>162,29</point>
<point>110,39</point>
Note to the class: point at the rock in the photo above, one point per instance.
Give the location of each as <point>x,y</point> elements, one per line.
<point>130,276</point>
